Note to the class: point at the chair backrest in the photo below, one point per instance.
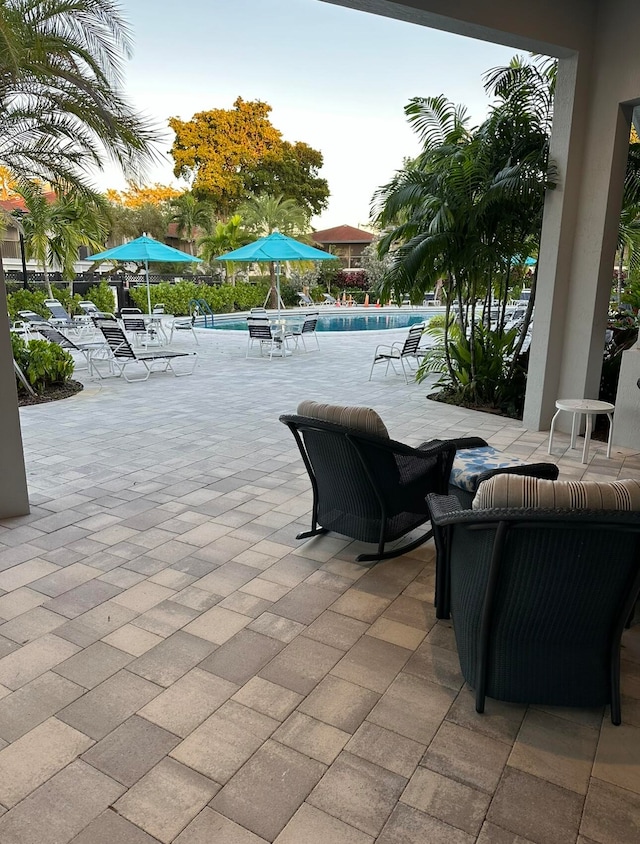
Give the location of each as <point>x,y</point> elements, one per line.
<point>116,339</point>
<point>309,324</point>
<point>338,460</point>
<point>100,317</point>
<point>258,313</point>
<point>134,324</point>
<point>259,329</point>
<point>57,311</point>
<point>54,336</point>
<point>412,342</point>
<point>305,299</point>
<point>34,319</point>
<point>158,309</point>
<point>331,300</point>
<point>547,593</point>
<point>89,308</point>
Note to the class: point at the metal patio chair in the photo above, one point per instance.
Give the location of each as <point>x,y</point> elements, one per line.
<point>400,352</point>
<point>308,328</point>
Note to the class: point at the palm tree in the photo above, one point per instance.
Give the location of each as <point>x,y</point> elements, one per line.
<point>61,103</point>
<point>225,238</point>
<point>470,204</point>
<point>190,214</point>
<point>265,214</point>
<point>54,228</point>
<point>77,220</point>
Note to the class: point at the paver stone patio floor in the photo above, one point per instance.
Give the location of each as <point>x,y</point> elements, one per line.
<point>176,667</point>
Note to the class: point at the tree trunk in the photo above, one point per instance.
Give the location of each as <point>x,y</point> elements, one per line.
<point>620,265</point>
<point>46,280</point>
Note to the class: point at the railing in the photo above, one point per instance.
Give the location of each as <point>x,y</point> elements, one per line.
<point>201,313</point>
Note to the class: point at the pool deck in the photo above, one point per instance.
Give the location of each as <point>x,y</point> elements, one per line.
<point>176,667</point>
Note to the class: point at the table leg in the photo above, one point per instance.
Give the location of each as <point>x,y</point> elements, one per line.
<point>574,427</point>
<point>587,437</point>
<point>610,418</point>
<point>551,429</point>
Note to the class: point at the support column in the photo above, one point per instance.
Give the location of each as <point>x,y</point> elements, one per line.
<point>14,499</point>
<point>578,244</point>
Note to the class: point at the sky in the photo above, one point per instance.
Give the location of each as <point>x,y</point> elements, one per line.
<point>336,79</point>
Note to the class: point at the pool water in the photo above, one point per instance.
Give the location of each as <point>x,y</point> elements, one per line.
<point>342,322</point>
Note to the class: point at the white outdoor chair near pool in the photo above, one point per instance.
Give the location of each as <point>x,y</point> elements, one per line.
<point>61,319</point>
<point>123,355</point>
<point>272,339</point>
<point>400,352</point>
<point>140,331</point>
<point>307,328</point>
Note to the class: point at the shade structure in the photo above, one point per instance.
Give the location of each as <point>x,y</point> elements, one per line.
<point>145,250</point>
<point>276,248</point>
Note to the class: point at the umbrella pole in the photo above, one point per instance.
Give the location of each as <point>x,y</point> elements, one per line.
<point>146,269</point>
<point>278,284</point>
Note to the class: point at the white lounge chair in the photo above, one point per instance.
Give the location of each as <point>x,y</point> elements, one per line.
<point>123,355</point>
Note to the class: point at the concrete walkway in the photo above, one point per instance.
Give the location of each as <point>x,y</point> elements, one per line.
<point>176,667</point>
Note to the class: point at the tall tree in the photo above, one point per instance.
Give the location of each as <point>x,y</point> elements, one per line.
<point>292,172</point>
<point>136,195</point>
<point>470,206</point>
<point>263,215</point>
<point>56,226</point>
<point>62,108</point>
<point>227,153</point>
<point>224,238</point>
<point>190,215</point>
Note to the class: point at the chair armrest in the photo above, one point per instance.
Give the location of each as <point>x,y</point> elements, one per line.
<point>442,506</point>
<point>382,346</point>
<point>546,471</point>
<point>459,443</point>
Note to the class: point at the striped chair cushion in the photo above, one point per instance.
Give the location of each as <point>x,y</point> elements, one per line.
<point>363,419</point>
<point>504,491</point>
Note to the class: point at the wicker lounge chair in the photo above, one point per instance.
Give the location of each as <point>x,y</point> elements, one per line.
<point>540,597</point>
<point>123,355</point>
<point>365,485</point>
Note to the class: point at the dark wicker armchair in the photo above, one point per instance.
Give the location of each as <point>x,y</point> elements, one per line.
<point>539,600</point>
<point>370,487</point>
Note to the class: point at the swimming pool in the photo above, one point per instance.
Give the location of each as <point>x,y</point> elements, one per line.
<point>331,321</point>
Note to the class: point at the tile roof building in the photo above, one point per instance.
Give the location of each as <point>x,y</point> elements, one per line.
<point>347,242</point>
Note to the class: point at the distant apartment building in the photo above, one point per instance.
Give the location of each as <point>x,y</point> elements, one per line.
<point>346,242</point>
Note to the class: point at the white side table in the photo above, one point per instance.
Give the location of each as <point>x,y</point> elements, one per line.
<point>590,408</point>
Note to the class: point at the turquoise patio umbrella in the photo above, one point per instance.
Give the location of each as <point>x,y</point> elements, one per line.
<point>145,250</point>
<point>276,248</point>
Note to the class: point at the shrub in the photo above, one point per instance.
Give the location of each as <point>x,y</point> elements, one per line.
<point>26,300</point>
<point>224,298</point>
<point>44,364</point>
<point>102,297</point>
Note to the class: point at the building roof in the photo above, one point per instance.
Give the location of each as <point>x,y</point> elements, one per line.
<point>16,203</point>
<point>342,234</point>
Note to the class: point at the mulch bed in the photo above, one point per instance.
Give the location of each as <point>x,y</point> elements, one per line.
<point>60,391</point>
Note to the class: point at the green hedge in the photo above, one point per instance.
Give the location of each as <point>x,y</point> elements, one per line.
<point>222,299</point>
<point>30,300</point>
